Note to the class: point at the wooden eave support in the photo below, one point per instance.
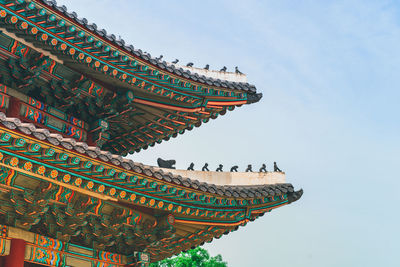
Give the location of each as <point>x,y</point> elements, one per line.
<point>53,27</point>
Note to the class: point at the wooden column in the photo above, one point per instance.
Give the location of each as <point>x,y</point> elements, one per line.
<point>17,254</point>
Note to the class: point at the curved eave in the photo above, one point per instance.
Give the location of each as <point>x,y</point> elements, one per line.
<point>187,114</point>
<point>117,47</point>
<point>196,222</point>
<point>114,162</point>
<point>146,58</point>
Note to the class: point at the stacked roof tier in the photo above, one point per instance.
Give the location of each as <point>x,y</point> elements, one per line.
<point>127,99</point>
<point>74,101</point>
<point>83,195</point>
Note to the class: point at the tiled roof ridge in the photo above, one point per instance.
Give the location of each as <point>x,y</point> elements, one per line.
<point>246,87</point>
<point>245,191</point>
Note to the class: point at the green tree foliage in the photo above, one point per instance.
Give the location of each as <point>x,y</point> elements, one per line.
<point>198,257</point>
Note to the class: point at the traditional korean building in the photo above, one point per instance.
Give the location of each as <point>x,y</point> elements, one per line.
<point>74,101</point>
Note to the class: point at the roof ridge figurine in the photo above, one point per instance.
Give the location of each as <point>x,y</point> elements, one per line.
<point>234,168</point>
<point>191,167</point>
<point>219,169</point>
<point>263,168</point>
<point>169,164</point>
<point>205,167</point>
<point>249,168</point>
<point>276,169</point>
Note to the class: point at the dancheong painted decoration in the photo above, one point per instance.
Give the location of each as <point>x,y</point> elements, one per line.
<point>74,101</point>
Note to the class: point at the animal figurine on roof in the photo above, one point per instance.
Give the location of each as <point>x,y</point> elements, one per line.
<point>190,64</point>
<point>219,169</point>
<point>237,71</point>
<point>263,168</point>
<point>276,169</point>
<point>159,58</point>
<point>205,167</point>
<point>234,168</point>
<point>191,167</point>
<point>223,69</point>
<point>168,164</point>
<point>249,168</point>
<point>175,61</point>
<point>207,67</point>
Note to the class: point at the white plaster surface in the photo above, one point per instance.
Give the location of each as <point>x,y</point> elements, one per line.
<point>232,178</point>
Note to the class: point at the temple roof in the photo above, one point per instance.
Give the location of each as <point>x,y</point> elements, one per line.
<point>235,191</point>
<point>119,193</point>
<point>73,101</point>
<point>138,99</point>
<point>171,68</point>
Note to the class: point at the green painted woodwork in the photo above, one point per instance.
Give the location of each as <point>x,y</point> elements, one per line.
<point>5,137</point>
<point>152,85</point>
<point>79,201</point>
<point>143,185</point>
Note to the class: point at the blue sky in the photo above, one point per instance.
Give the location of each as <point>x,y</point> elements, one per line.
<point>329,72</point>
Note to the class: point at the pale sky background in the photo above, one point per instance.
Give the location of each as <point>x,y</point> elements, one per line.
<point>329,72</point>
